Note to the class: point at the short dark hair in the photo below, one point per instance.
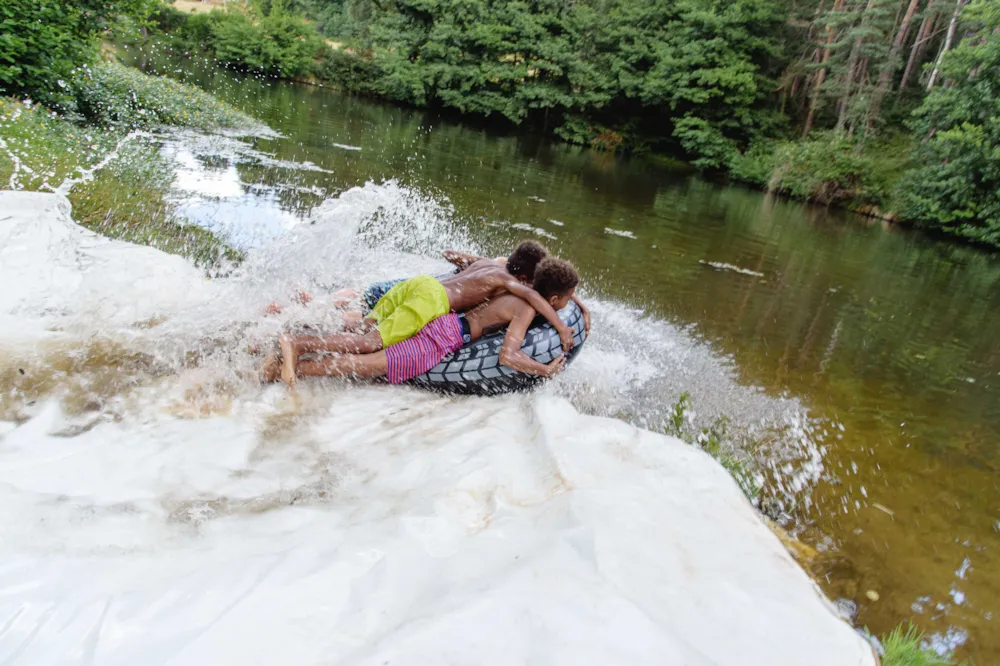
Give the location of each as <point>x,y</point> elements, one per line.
<point>555,277</point>
<point>525,258</point>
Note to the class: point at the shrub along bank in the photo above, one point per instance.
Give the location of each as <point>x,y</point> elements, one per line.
<point>113,95</point>
<point>267,41</point>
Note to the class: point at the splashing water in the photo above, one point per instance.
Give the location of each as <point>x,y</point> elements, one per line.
<point>134,426</point>
<point>19,166</point>
<point>633,368</point>
<point>86,174</point>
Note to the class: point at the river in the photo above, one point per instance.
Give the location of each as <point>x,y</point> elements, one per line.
<point>860,361</point>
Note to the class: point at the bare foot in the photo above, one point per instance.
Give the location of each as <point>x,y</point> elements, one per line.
<point>288,360</point>
<point>271,368</point>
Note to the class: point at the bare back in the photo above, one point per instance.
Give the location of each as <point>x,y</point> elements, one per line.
<point>481,281</point>
<point>495,314</point>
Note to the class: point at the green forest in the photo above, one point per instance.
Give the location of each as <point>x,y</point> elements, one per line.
<point>886,107</point>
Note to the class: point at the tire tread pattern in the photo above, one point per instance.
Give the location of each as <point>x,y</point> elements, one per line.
<point>476,370</point>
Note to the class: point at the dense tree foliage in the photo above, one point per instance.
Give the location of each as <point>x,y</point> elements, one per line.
<point>510,58</point>
<point>697,69</point>
<point>335,18</point>
<point>265,37</point>
<point>956,186</point>
<point>678,75</point>
<point>43,41</point>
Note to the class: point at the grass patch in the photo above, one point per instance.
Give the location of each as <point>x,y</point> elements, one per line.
<point>127,200</point>
<point>906,647</point>
<point>114,95</point>
<point>124,200</point>
<point>39,149</point>
<point>735,457</point>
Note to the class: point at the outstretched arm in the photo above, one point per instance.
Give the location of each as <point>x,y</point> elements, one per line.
<point>586,312</point>
<point>461,259</point>
<point>511,354</point>
<point>543,308</point>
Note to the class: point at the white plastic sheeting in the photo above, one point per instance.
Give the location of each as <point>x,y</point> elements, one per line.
<point>360,524</point>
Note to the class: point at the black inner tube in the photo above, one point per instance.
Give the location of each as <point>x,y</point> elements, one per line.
<point>475,369</point>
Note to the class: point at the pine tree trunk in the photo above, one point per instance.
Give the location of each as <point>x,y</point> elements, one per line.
<point>821,75</point>
<point>885,76</point>
<point>919,46</point>
<point>947,42</point>
<point>852,64</point>
<point>861,78</point>
<point>803,82</point>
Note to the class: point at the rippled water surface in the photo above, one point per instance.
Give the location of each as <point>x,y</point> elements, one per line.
<point>861,362</point>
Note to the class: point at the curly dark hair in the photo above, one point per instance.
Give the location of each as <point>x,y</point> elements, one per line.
<point>555,277</point>
<point>524,259</point>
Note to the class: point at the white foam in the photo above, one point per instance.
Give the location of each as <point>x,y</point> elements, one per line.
<point>722,266</point>
<point>620,232</point>
<point>58,274</point>
<point>521,226</point>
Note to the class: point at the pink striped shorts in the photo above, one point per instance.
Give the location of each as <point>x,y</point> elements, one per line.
<point>423,351</point>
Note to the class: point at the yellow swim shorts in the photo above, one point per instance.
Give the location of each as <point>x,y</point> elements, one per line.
<point>408,307</point>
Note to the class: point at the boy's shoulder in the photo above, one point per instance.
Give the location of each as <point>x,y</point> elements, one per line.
<point>510,303</point>
<point>483,269</point>
<point>489,265</point>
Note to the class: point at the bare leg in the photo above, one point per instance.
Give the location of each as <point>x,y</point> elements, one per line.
<point>289,358</point>
<point>341,343</point>
<point>345,365</point>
